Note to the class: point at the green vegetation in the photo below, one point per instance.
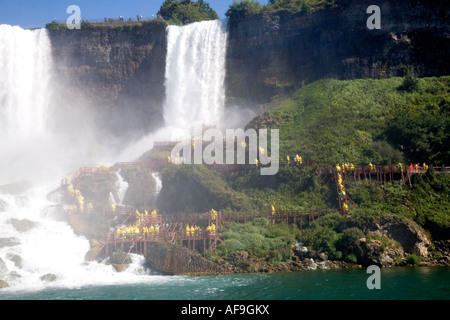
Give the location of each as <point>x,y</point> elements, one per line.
<point>156,24</point>
<point>425,201</point>
<point>413,259</point>
<point>259,239</point>
<point>363,121</point>
<point>96,189</point>
<point>241,9</point>
<point>328,122</point>
<point>181,12</point>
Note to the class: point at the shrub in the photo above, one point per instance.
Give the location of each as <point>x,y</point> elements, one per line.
<point>351,258</point>
<point>181,12</point>
<point>413,259</point>
<point>409,84</point>
<point>348,243</point>
<point>239,10</point>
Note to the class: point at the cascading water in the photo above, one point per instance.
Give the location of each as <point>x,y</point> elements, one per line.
<point>47,249</point>
<point>195,73</point>
<point>37,250</point>
<point>194,82</point>
<point>121,187</point>
<point>157,177</point>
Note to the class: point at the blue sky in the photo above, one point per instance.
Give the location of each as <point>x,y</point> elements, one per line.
<point>35,14</point>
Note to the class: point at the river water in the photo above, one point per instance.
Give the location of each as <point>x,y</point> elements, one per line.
<point>403,283</point>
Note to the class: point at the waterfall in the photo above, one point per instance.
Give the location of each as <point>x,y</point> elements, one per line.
<point>194,82</point>
<point>25,66</point>
<point>157,178</point>
<point>34,246</point>
<point>195,73</point>
<point>121,187</point>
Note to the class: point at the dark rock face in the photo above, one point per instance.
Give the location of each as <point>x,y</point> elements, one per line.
<point>407,233</point>
<point>117,74</point>
<point>272,54</point>
<point>174,260</point>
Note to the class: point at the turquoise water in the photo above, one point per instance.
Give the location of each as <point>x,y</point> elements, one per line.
<point>396,284</point>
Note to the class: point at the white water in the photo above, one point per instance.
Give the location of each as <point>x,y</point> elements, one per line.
<point>157,178</point>
<point>31,151</point>
<point>195,73</point>
<point>195,92</point>
<point>121,187</point>
<point>194,82</point>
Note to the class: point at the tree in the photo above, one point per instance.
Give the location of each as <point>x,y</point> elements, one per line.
<point>239,10</point>
<point>183,12</point>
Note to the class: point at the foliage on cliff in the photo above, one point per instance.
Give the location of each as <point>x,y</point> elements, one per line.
<point>259,238</point>
<point>241,9</point>
<point>334,121</point>
<point>181,12</point>
<point>362,121</point>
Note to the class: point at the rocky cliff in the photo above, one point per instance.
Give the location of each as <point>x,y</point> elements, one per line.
<point>272,54</point>
<point>119,72</point>
<point>111,75</point>
<point>176,260</point>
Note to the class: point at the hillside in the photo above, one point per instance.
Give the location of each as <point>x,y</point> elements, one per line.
<point>329,122</point>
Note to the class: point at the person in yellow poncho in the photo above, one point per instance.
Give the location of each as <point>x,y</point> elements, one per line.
<point>188,230</point>
<point>345,207</point>
<point>213,214</point>
<point>338,168</point>
<point>273,210</point>
<point>288,159</point>
<point>213,229</point>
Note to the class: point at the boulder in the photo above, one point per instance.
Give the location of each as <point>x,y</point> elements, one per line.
<point>375,253</point>
<point>49,277</point>
<point>9,242</point>
<point>119,258</point>
<point>22,225</point>
<point>169,259</point>
<point>16,259</point>
<point>407,233</point>
<point>119,267</point>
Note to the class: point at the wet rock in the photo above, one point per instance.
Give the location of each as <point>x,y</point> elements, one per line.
<point>16,259</point>
<point>174,260</point>
<point>119,267</point>
<point>3,284</point>
<point>119,258</point>
<point>22,225</point>
<point>9,242</point>
<point>49,277</point>
<point>96,247</point>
